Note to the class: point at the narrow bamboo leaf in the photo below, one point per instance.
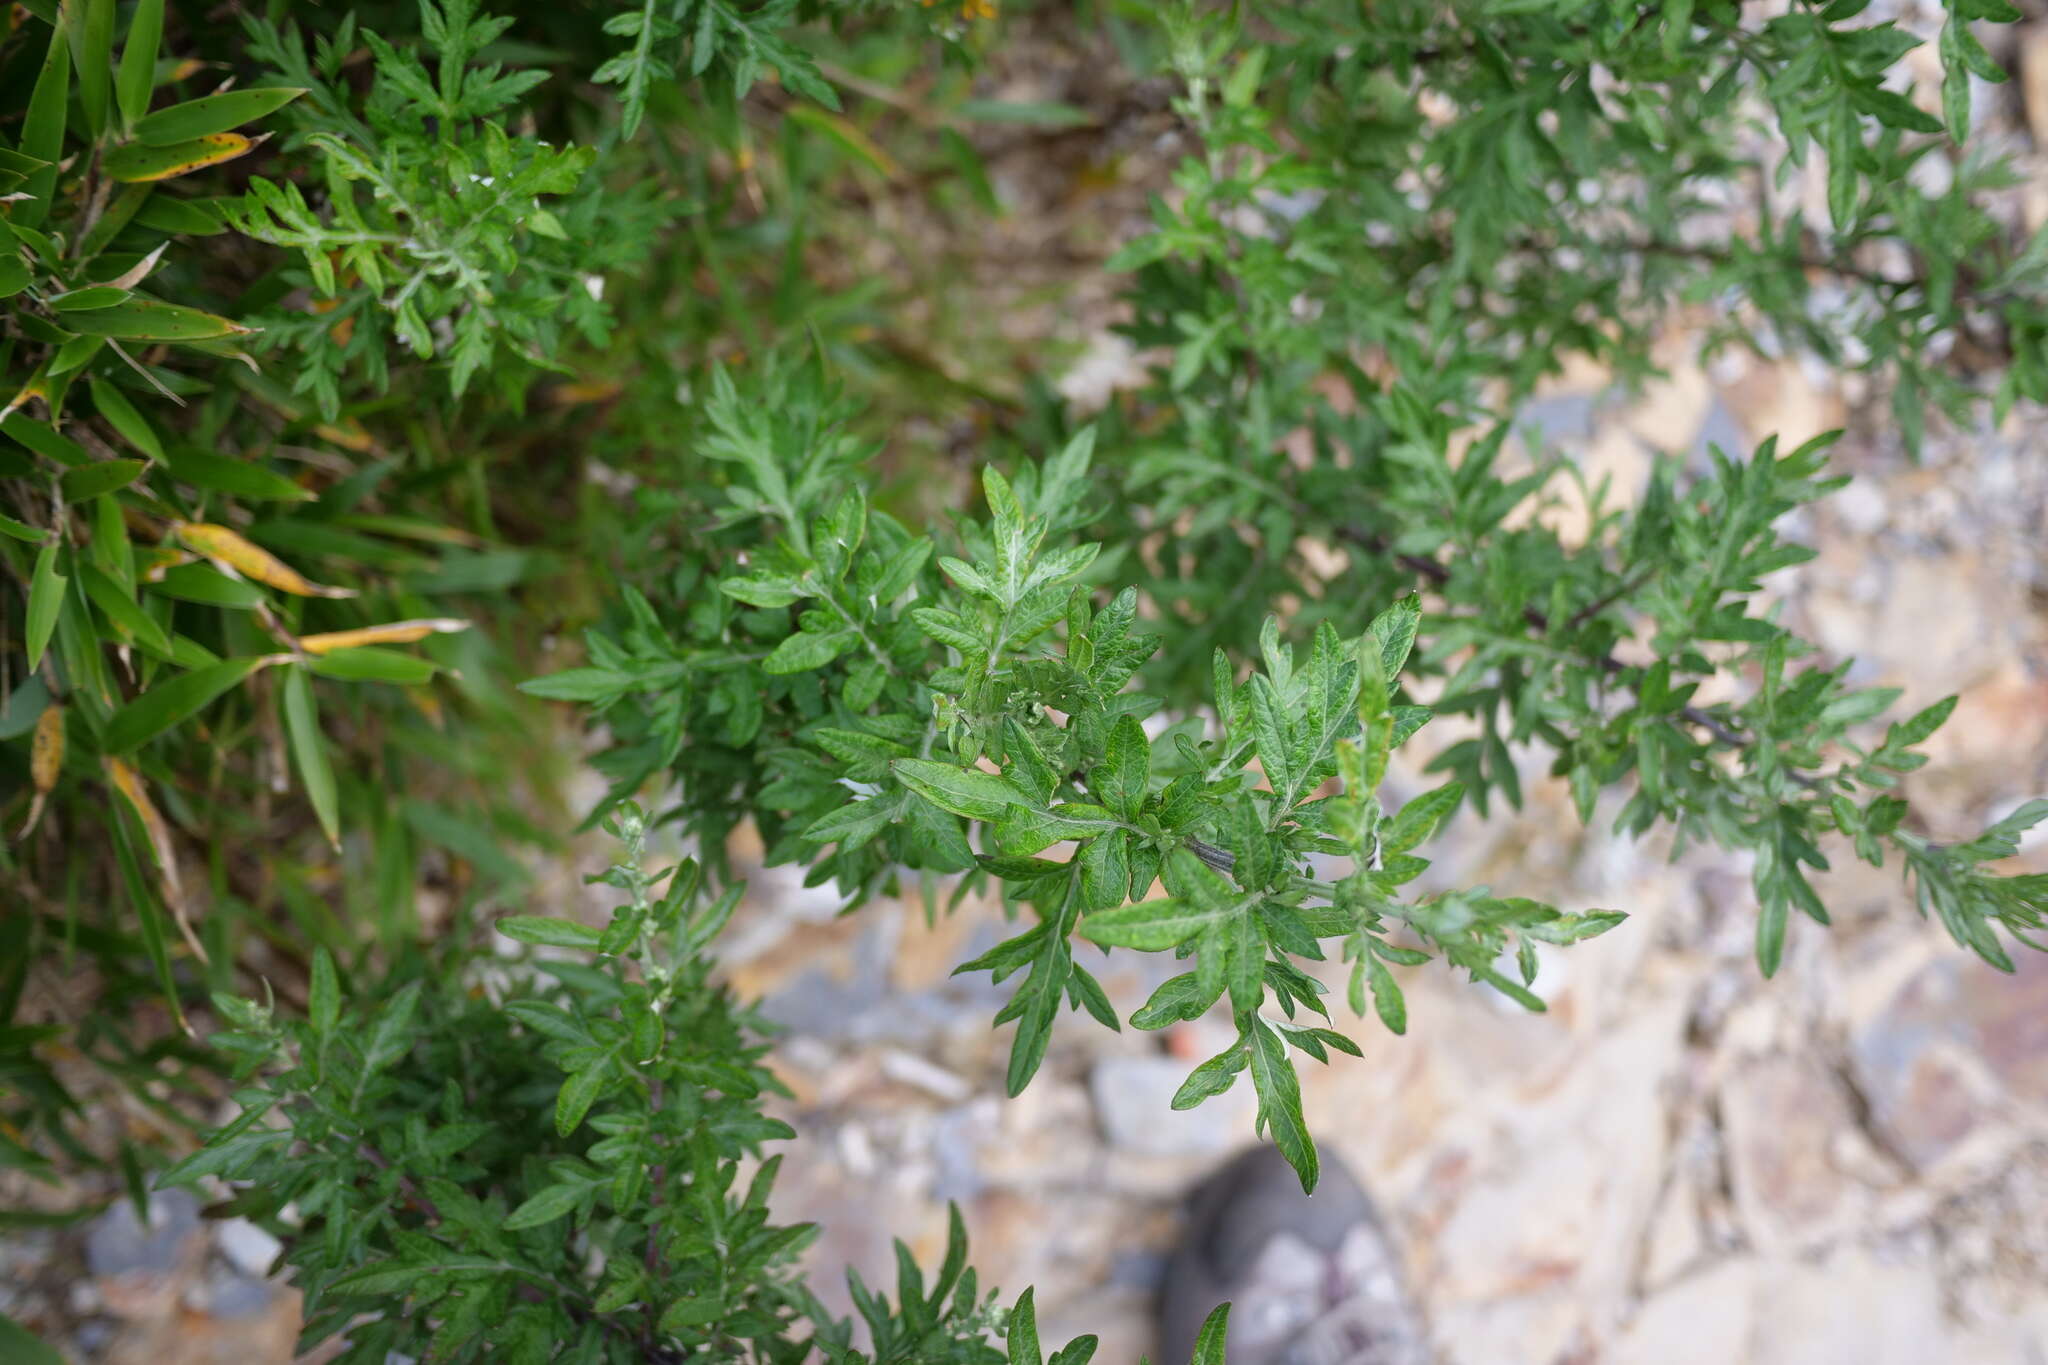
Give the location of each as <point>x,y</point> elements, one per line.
<point>224,474</point>
<point>42,132</point>
<point>119,606</point>
<point>374,665</point>
<point>212,114</point>
<point>172,701</point>
<point>45,600</point>
<point>97,480</point>
<point>89,24</point>
<point>309,752</point>
<point>136,80</point>
<point>138,162</point>
<point>122,416</point>
<point>141,319</point>
<point>86,299</point>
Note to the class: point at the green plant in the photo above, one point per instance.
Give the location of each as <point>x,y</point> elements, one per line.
<point>1176,653</point>
<point>869,694</point>
<point>425,1192</point>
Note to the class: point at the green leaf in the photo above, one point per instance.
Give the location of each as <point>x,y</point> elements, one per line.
<point>45,598</point>
<point>168,703</point>
<point>87,299</point>
<point>578,1093</point>
<point>807,650</point>
<point>546,1206</point>
<point>89,24</point>
<point>1770,934</point>
<point>42,131</point>
<point>45,440</point>
<point>136,80</point>
<point>19,1346</point>
<point>367,663</point>
<point>97,480</point>
<point>694,1311</point>
<point>1416,820</point>
<point>392,1036</point>
<point>122,416</point>
<point>555,933</point>
<point>1280,1103</point>
<point>1844,141</point>
<point>1121,778</point>
<point>119,607</point>
<point>223,474</point>
<point>1387,1000</point>
<point>323,995</point>
<point>963,791</point>
<point>309,752</point>
<point>206,585</point>
<point>1022,1332</point>
<point>395,1277</point>
<point>1210,1340</point>
<point>142,319</point>
<point>1154,926</point>
<point>1394,631</point>
<point>212,114</point>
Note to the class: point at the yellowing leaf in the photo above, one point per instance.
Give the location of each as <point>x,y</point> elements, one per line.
<point>397,633</point>
<point>45,762</point>
<point>138,162</point>
<point>128,782</point>
<point>228,549</point>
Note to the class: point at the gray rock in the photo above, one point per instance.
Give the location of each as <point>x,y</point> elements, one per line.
<point>117,1243</point>
<point>1133,1101</point>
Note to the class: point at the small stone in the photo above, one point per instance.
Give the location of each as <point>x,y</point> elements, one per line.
<point>118,1244</point>
<point>247,1247</point>
<point>1951,1048</point>
<point>1133,1102</point>
<point>907,1068</point>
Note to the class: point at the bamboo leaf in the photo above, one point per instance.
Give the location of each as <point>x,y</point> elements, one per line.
<point>138,162</point>
<point>212,114</point>
<point>172,701</point>
<point>45,599</point>
<point>309,752</point>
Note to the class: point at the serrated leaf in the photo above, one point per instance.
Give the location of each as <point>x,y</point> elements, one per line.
<point>1209,1342</point>
<point>1154,926</point>
<point>554,933</point>
<point>578,1093</point>
<point>546,1206</point>
<point>806,650</point>
<point>1022,1333</point>
<point>1280,1103</point>
<point>323,995</point>
<point>967,792</point>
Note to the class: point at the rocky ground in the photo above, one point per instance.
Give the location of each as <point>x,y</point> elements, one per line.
<point>1680,1162</point>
